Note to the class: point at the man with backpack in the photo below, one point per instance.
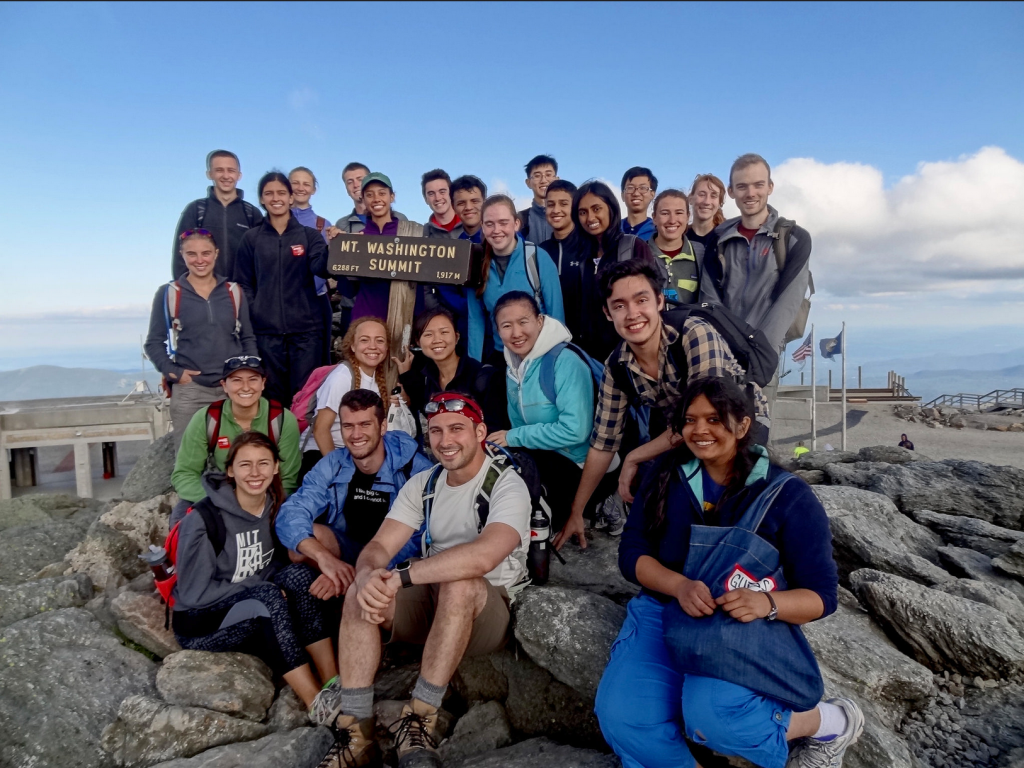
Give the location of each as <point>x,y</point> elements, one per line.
<point>213,430</point>
<point>350,491</point>
<point>222,212</point>
<point>454,600</point>
<point>648,371</point>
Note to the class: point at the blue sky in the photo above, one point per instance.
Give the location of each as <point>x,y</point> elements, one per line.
<point>903,119</point>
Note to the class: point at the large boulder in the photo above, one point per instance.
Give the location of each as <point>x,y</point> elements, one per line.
<point>19,601</point>
<point>821,459</point>
<point>36,509</point>
<point>62,679</point>
<point>889,454</point>
<point>1000,598</point>
<point>151,475</point>
<point>540,753</point>
<point>25,549</point>
<point>233,683</point>
<point>144,522</point>
<point>974,565</point>
<point>141,618</point>
<point>569,633</point>
<point>594,569</point>
<point>996,716</point>
<point>1012,561</point>
<point>301,748</point>
<point>109,557</point>
<point>148,731</point>
<point>942,631</point>
<point>483,728</point>
<point>969,532</point>
<point>287,712</point>
<point>482,678</point>
<point>869,532</point>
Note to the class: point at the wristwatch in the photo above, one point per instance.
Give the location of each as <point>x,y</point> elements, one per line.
<point>403,572</point>
<point>773,614</point>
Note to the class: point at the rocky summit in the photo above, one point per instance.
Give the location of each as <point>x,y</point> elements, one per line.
<point>928,637</point>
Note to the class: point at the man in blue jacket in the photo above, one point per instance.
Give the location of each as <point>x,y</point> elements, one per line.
<point>346,496</point>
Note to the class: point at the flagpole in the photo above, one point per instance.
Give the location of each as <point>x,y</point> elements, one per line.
<point>844,347</point>
<point>814,397</point>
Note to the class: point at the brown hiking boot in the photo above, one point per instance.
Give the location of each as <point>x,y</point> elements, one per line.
<point>416,736</point>
<point>354,744</point>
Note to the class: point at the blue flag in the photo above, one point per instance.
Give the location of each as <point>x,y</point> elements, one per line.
<point>832,347</point>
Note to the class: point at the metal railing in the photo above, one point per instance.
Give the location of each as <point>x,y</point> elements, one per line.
<point>994,399</point>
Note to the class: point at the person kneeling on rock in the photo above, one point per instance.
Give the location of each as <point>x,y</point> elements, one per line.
<point>733,555</point>
<point>454,601</point>
<point>235,590</point>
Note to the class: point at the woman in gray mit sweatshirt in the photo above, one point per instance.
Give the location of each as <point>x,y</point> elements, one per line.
<point>236,590</point>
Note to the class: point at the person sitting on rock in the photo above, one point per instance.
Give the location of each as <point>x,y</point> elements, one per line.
<point>235,589</point>
<point>455,600</point>
<point>213,430</point>
<point>351,491</point>
<point>733,554</point>
<point>905,442</point>
<point>801,449</point>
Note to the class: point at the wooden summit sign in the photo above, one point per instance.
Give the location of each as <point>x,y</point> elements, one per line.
<point>418,259</point>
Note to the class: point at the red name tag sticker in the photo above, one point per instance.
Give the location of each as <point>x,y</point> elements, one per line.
<point>223,442</point>
<point>298,250</point>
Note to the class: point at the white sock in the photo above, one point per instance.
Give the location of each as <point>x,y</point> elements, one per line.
<point>833,722</point>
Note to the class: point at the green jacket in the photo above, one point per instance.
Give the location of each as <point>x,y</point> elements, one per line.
<point>190,462</point>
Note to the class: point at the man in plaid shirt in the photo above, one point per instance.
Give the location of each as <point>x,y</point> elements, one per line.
<point>633,302</point>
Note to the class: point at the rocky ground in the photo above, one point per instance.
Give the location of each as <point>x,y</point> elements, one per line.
<point>929,637</point>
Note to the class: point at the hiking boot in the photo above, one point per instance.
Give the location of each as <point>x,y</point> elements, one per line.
<point>354,744</point>
<point>415,735</point>
<point>327,704</point>
<point>815,753</point>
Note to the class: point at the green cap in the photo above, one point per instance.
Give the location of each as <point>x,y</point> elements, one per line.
<point>378,177</point>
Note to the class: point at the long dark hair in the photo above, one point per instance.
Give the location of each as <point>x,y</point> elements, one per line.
<point>276,491</point>
<point>732,404</point>
<point>609,239</point>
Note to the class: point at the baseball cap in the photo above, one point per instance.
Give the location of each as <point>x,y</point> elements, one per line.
<point>243,362</point>
<point>379,178</point>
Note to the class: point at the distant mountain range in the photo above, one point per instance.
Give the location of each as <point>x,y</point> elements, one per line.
<point>45,381</point>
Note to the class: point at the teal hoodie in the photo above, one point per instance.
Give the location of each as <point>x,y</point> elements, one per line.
<point>563,426</point>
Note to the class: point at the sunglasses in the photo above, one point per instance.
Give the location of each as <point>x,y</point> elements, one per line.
<point>453,405</point>
<point>242,361</point>
<point>189,232</point>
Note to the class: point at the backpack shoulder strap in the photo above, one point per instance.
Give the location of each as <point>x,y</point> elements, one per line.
<point>213,415</point>
<point>429,491</point>
<point>200,212</point>
<point>483,499</point>
<point>626,247</point>
<point>275,421</point>
<point>216,530</point>
<point>533,273</point>
<point>547,370</point>
<point>755,514</point>
<point>172,306</point>
<point>250,213</point>
<point>235,292</point>
<point>781,240</point>
<point>623,381</point>
<point>407,469</point>
<point>321,222</point>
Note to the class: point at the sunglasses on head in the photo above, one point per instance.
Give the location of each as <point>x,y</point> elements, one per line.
<point>452,405</point>
<point>189,232</point>
<point>242,361</point>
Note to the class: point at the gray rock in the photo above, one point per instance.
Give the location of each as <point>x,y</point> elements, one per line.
<point>396,683</point>
<point>62,678</point>
<point>974,565</point>
<point>233,683</point>
<point>144,522</point>
<point>869,532</point>
<point>889,454</point>
<point>594,569</point>
<point>36,509</point>
<point>865,661</point>
<point>969,532</point>
<point>996,716</point>
<point>812,476</point>
<point>941,630</point>
<point>140,617</point>
<point>481,678</point>
<point>287,712</point>
<point>540,753</point>
<point>19,601</point>
<point>1000,598</point>
<point>821,459</point>
<point>483,728</point>
<point>99,607</point>
<point>149,731</point>
<point>569,633</point>
<point>1012,561</point>
<point>151,475</point>
<point>110,557</point>
<point>858,474</point>
<point>26,549</point>
<point>301,748</point>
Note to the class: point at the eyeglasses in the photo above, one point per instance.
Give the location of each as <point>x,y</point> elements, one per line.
<point>452,405</point>
<point>630,189</point>
<point>189,232</point>
<point>242,361</point>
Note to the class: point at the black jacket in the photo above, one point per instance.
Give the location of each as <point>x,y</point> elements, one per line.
<point>423,381</point>
<point>228,224</point>
<point>276,272</point>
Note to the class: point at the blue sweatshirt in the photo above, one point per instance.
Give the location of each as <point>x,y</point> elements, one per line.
<point>644,230</point>
<point>796,525</point>
<point>515,279</point>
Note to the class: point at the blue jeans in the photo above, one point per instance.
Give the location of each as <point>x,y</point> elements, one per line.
<point>644,705</point>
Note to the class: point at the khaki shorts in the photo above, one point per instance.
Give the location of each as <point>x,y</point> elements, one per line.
<point>414,612</point>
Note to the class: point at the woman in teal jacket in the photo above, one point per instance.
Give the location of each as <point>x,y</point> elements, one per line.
<point>556,433</point>
<point>507,267</point>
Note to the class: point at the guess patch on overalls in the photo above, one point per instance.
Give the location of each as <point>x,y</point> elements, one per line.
<point>298,250</point>
<point>223,442</point>
<point>742,579</point>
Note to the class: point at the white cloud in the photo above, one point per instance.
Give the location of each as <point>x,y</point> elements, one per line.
<point>950,226</point>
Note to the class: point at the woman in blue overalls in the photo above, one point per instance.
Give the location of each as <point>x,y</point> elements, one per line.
<point>711,649</point>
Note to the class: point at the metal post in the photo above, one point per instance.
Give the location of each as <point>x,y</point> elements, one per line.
<point>801,378</point>
<point>844,386</point>
<point>860,380</point>
<point>83,470</point>
<point>814,396</point>
<point>830,384</point>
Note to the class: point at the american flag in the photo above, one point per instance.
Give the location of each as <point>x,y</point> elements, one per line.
<point>804,351</point>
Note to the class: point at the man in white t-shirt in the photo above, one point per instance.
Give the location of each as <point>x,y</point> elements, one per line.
<point>453,601</point>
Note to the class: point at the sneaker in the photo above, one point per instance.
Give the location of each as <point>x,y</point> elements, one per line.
<point>599,523</point>
<point>354,744</point>
<point>614,513</point>
<point>327,704</point>
<point>829,754</point>
<point>415,735</point>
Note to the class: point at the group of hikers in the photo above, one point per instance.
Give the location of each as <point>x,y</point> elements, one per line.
<point>606,375</point>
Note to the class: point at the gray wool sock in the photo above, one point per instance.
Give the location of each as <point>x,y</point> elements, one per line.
<point>429,693</point>
<point>357,702</point>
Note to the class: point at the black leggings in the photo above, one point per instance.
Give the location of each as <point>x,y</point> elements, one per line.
<point>280,640</point>
<point>561,477</point>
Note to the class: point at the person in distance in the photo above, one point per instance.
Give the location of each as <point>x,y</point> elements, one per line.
<point>540,172</point>
<point>707,195</point>
<point>639,186</point>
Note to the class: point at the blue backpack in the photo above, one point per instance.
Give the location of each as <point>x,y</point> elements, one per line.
<point>547,369</point>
